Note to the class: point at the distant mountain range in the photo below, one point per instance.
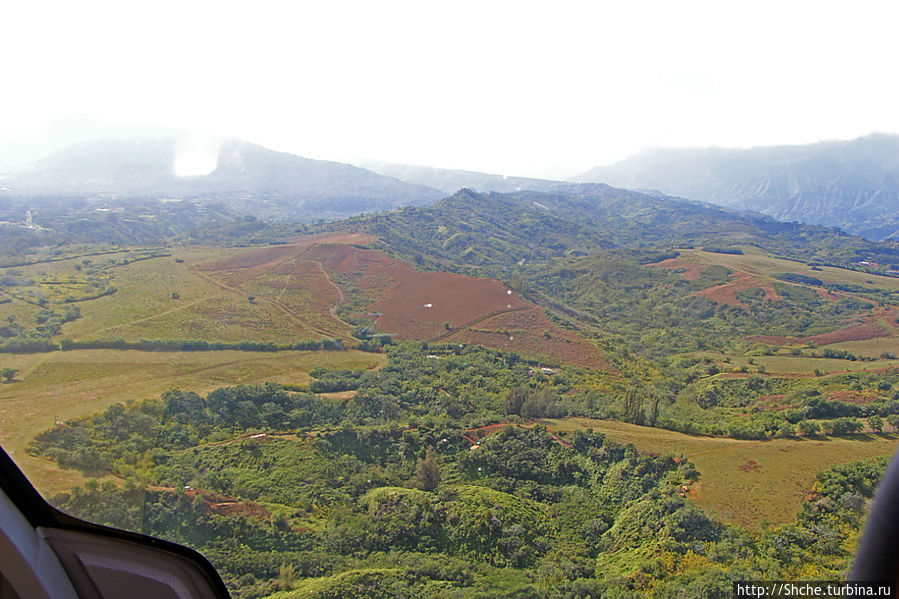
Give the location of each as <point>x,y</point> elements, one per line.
<point>450,181</point>
<point>248,179</point>
<point>853,185</point>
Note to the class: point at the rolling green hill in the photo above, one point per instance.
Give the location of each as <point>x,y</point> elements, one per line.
<point>498,232</point>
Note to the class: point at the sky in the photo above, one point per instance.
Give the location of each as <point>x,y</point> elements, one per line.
<point>546,89</point>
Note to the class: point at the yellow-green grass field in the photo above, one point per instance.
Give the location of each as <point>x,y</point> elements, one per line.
<point>871,347</point>
<point>168,297</point>
<point>799,364</point>
<point>61,386</point>
<point>143,307</point>
<point>759,262</point>
<point>746,482</point>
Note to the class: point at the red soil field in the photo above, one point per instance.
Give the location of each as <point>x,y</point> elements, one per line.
<point>420,305</point>
<point>692,272</point>
<point>284,276</point>
<point>750,466</point>
<point>771,402</point>
<point>268,257</point>
<point>409,304</point>
<point>413,304</point>
<point>476,434</point>
<point>851,396</point>
<point>530,333</point>
<point>727,293</point>
<point>221,504</point>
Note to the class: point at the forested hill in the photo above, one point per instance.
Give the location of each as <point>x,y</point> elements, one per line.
<point>500,233</point>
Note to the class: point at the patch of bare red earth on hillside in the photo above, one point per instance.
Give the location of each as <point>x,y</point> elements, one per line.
<point>442,306</point>
<point>727,292</point>
<point>692,271</point>
<point>870,328</point>
<point>750,466</point>
<point>530,332</point>
<point>417,305</point>
<point>476,434</point>
<point>221,504</point>
<point>860,331</point>
<point>768,403</point>
<point>851,396</point>
<point>273,255</point>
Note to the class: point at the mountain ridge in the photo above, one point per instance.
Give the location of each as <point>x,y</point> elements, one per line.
<point>851,184</point>
<point>248,178</point>
<point>452,180</point>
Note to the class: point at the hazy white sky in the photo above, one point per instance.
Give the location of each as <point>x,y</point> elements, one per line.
<point>540,89</point>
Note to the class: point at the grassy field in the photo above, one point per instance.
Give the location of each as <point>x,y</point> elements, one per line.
<point>746,482</point>
<point>175,297</point>
<point>798,364</point>
<point>870,347</point>
<point>144,308</point>
<point>759,262</point>
<point>66,385</point>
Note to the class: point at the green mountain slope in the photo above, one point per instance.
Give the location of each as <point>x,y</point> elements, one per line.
<point>497,232</point>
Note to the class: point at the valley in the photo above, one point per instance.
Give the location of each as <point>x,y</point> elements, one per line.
<point>463,301</point>
<point>508,383</point>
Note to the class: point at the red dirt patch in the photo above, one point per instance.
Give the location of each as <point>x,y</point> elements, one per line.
<point>771,402</point>
<point>871,326</point>
<point>414,304</point>
<point>222,504</point>
<point>441,306</point>
<point>274,255</point>
<point>727,293</point>
<point>692,271</point>
<point>287,278</point>
<point>851,396</point>
<point>476,434</point>
<point>750,466</point>
<point>531,333</point>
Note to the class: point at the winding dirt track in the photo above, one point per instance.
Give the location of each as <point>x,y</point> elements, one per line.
<point>479,320</point>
